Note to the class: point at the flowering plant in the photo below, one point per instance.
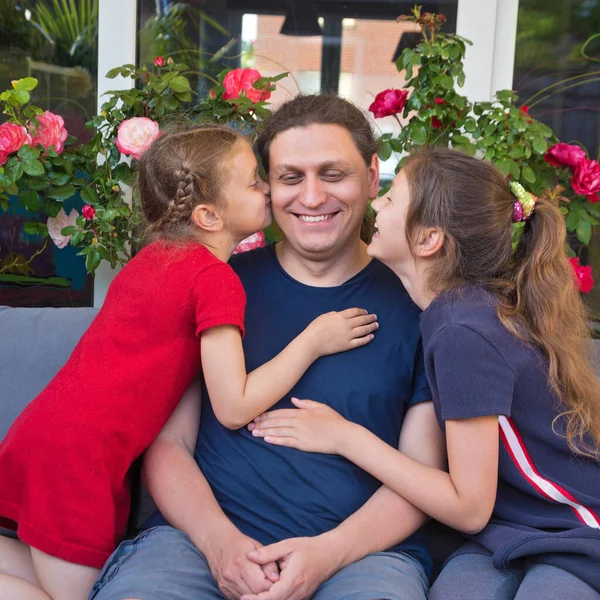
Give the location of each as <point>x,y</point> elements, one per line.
<point>523,148</point>
<point>41,165</point>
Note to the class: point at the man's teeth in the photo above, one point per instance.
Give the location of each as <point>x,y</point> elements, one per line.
<point>309,219</point>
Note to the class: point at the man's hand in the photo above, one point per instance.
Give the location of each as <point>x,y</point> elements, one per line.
<point>305,564</point>
<point>234,573</point>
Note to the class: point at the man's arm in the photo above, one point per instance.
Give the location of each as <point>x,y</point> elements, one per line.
<point>382,522</point>
<point>184,497</point>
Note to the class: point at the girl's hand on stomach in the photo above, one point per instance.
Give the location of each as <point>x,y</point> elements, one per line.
<point>312,427</point>
<point>335,332</point>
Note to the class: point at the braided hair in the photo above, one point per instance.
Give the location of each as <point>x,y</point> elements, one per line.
<point>182,169</point>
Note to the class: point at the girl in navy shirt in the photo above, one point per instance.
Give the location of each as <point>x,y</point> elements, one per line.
<point>507,355</point>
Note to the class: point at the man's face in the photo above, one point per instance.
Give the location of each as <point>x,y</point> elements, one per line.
<point>320,187</point>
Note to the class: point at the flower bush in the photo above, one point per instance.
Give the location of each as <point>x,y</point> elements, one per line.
<point>42,166</point>
<point>434,112</point>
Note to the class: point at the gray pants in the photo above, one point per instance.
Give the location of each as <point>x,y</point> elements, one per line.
<point>163,564</point>
<point>473,576</point>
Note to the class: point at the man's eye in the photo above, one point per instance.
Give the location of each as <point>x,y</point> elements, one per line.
<point>290,178</point>
<point>333,175</point>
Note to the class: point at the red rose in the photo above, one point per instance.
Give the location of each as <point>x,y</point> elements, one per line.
<point>564,154</point>
<point>525,113</point>
<point>436,123</point>
<point>586,179</point>
<point>88,212</point>
<point>440,101</point>
<point>583,276</point>
<point>388,103</point>
<point>159,61</point>
<point>240,82</point>
<point>12,137</point>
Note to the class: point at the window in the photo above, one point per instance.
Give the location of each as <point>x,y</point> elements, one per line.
<point>57,44</point>
<point>559,84</point>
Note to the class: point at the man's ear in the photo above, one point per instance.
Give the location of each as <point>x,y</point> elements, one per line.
<point>373,177</point>
<point>430,241</point>
<point>206,217</point>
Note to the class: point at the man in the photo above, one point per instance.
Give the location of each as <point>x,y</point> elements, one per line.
<point>261,522</point>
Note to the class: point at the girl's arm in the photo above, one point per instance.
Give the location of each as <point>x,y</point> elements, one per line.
<point>462,498</point>
<point>238,397</point>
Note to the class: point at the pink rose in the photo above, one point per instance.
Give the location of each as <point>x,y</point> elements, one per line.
<point>49,131</point>
<point>256,240</point>
<point>136,135</point>
<point>159,61</point>
<point>12,138</point>
<point>388,102</point>
<point>88,212</point>
<point>240,82</point>
<point>564,154</point>
<point>586,179</point>
<point>583,276</point>
<point>56,225</point>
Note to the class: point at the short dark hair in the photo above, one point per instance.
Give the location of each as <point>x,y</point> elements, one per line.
<point>321,109</point>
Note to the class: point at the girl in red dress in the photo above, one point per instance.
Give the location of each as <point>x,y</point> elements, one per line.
<point>176,309</point>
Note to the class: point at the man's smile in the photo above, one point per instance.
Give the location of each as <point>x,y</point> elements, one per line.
<point>316,218</point>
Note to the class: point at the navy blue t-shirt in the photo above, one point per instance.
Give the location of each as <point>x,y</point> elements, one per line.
<point>548,501</point>
<point>271,492</point>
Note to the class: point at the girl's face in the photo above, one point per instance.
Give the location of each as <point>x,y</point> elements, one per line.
<point>389,243</point>
<point>245,204</point>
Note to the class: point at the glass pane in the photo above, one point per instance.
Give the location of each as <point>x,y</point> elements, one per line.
<point>559,84</point>
<point>56,43</point>
<point>351,51</point>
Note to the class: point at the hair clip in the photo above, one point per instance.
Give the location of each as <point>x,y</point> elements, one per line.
<point>525,203</point>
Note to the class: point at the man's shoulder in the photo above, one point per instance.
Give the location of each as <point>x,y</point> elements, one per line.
<point>252,260</point>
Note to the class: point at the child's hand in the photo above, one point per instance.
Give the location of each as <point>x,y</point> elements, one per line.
<point>340,331</point>
<point>313,427</point>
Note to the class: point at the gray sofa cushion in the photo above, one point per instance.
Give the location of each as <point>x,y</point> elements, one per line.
<point>34,344</point>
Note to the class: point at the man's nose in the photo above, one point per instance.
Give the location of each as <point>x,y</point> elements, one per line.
<point>313,194</point>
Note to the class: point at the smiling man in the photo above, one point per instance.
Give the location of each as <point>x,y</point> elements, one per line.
<point>244,519</point>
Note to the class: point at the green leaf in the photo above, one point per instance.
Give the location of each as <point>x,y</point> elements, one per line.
<point>503,165</point>
<point>528,174</point>
<point>446,82</point>
<point>113,73</point>
<point>32,228</point>
<point>180,84</point>
<point>385,150</point>
<point>418,131</point>
<point>28,153</point>
<point>33,168</point>
<point>92,260</point>
<point>69,230</point>
<point>470,124</point>
<point>62,192</point>
<point>21,96</point>
<point>584,232</point>
<point>572,220</point>
<point>58,178</point>
<point>89,195</point>
<point>15,170</point>
<point>27,84</point>
<point>30,200</point>
<point>540,145</point>
<point>124,173</point>
<point>461,140</point>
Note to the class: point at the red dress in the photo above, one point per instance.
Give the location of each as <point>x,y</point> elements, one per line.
<point>64,463</point>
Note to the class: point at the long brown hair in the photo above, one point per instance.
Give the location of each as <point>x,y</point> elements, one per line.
<point>183,168</point>
<point>470,200</point>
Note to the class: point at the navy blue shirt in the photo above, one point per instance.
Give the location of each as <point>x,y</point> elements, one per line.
<point>548,501</point>
<point>271,492</point>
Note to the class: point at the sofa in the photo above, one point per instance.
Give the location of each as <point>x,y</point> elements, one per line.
<point>36,342</point>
